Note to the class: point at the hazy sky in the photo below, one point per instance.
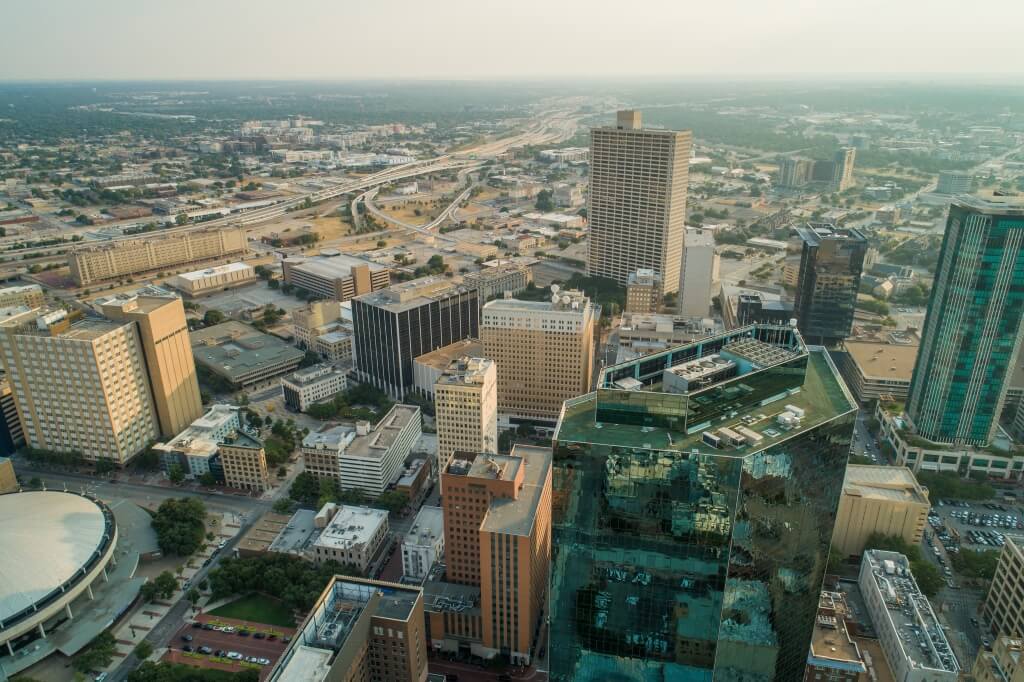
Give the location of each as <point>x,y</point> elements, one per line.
<point>347,39</point>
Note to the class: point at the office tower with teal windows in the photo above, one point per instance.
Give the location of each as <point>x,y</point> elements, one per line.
<point>831,263</point>
<point>972,332</point>
<point>695,492</point>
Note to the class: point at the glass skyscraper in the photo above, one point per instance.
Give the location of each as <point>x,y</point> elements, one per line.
<point>972,333</point>
<point>831,263</point>
<point>695,493</point>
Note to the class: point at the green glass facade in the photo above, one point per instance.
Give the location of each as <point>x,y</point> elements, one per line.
<point>972,332</point>
<point>675,560</point>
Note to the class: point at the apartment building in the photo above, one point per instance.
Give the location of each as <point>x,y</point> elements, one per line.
<point>544,351</point>
<point>210,280</point>
<point>643,292</point>
<point>466,408</point>
<point>162,329</point>
<point>29,295</point>
<point>423,545</point>
<point>394,326</point>
<point>364,458</point>
<point>312,385</point>
<point>497,528</point>
<point>637,200</point>
<point>879,499</point>
<point>335,276</point>
<point>11,434</point>
<point>359,630</point>
<point>79,386</point>
<point>1004,606</point>
<point>910,634</point>
<point>351,535</point>
<point>119,259</point>
<point>244,462</point>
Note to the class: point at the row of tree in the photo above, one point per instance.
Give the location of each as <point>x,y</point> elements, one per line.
<point>293,580</point>
<point>180,526</point>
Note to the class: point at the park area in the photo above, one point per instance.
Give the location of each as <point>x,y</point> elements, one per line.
<point>257,608</point>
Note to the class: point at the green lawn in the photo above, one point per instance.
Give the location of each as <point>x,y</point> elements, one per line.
<point>259,609</point>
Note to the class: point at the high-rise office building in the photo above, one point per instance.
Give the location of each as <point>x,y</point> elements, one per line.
<point>699,275</point>
<point>394,326</point>
<point>637,200</point>
<point>497,529</point>
<point>972,332</point>
<point>544,351</point>
<point>1004,607</point>
<point>79,387</point>
<point>953,182</point>
<point>694,500</point>
<point>170,366</point>
<point>828,282</point>
<point>842,170</point>
<point>466,408</point>
<point>359,630</point>
<point>794,172</point>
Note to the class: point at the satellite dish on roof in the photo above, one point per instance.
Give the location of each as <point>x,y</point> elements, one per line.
<point>554,288</point>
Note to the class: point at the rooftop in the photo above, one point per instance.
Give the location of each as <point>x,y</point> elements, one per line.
<point>815,233</point>
<point>999,205</point>
<point>426,527</point>
<point>892,362</point>
<point>908,613</point>
<point>466,370</point>
<point>759,402</point>
<point>262,534</point>
<point>895,484</point>
<point>831,645</point>
<point>308,376</point>
<point>561,300</point>
<point>331,267</point>
<point>413,294</point>
<point>329,438</point>
<point>511,516</point>
<point>218,270</point>
<point>298,533</point>
<point>351,527</point>
<point>441,358</point>
<point>236,350</point>
<point>377,442</point>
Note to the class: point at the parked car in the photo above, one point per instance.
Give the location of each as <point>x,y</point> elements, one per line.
<point>234,656</point>
<point>205,650</point>
<point>186,638</point>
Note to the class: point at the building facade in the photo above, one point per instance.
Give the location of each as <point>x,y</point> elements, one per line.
<point>423,545</point>
<point>953,182</point>
<point>544,351</point>
<point>210,280</point>
<point>497,527</point>
<point>163,332</point>
<point>643,292</point>
<point>125,258</point>
<point>244,462</point>
<point>1005,663</point>
<point>312,385</point>
<point>352,535</point>
<point>685,550</point>
<point>699,275</point>
<point>834,656</point>
<point>972,332</point>
<point>879,499</point>
<point>29,295</point>
<point>494,281</point>
<point>394,326</point>
<point>335,276</point>
<point>831,264</point>
<point>637,200</point>
<point>842,170</point>
<point>1004,606</point>
<point>79,387</point>
<point>466,408</point>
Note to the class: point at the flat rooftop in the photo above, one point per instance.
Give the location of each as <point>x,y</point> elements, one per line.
<point>331,267</point>
<point>815,233</point>
<point>466,370</point>
<point>316,374</point>
<point>888,361</point>
<point>894,484</point>
<point>413,294</point>
<point>235,350</point>
<point>517,516</point>
<point>261,536</point>
<point>197,275</point>
<point>380,439</point>
<point>351,527</point>
<point>329,437</point>
<point>426,527</point>
<point>297,534</point>
<point>441,358</point>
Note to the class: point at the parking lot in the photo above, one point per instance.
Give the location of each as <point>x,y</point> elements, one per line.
<point>980,525</point>
<point>215,642</point>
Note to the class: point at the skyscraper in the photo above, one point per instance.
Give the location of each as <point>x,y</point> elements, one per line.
<point>637,200</point>
<point>393,326</point>
<point>695,493</point>
<point>170,366</point>
<point>794,172</point>
<point>544,351</point>
<point>466,408</point>
<point>79,386</point>
<point>972,332</point>
<point>700,272</point>
<point>828,282</point>
<point>497,529</point>
<point>842,171</point>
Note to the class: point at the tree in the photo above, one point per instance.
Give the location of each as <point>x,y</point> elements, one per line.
<point>193,596</point>
<point>305,489</point>
<point>177,672</point>
<point>213,317</point>
<point>545,200</point>
<point>166,585</point>
<point>148,460</point>
<point>208,479</point>
<point>180,526</point>
<point>99,654</point>
<point>283,505</point>
<point>392,500</point>
<point>181,219</point>
<point>175,474</point>
<point>928,577</point>
<point>35,482</point>
<point>309,359</point>
<point>143,650</point>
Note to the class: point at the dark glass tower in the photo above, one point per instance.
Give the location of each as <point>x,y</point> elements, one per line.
<point>831,264</point>
<point>393,326</point>
<point>972,333</point>
<point>695,494</point>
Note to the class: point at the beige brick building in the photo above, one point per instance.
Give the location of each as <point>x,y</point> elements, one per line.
<point>1004,606</point>
<point>79,387</point>
<point>163,331</point>
<point>879,499</point>
<point>466,407</point>
<point>30,296</point>
<point>1005,663</point>
<point>544,352</point>
<point>637,200</point>
<point>643,292</point>
<point>135,256</point>
<point>244,462</point>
